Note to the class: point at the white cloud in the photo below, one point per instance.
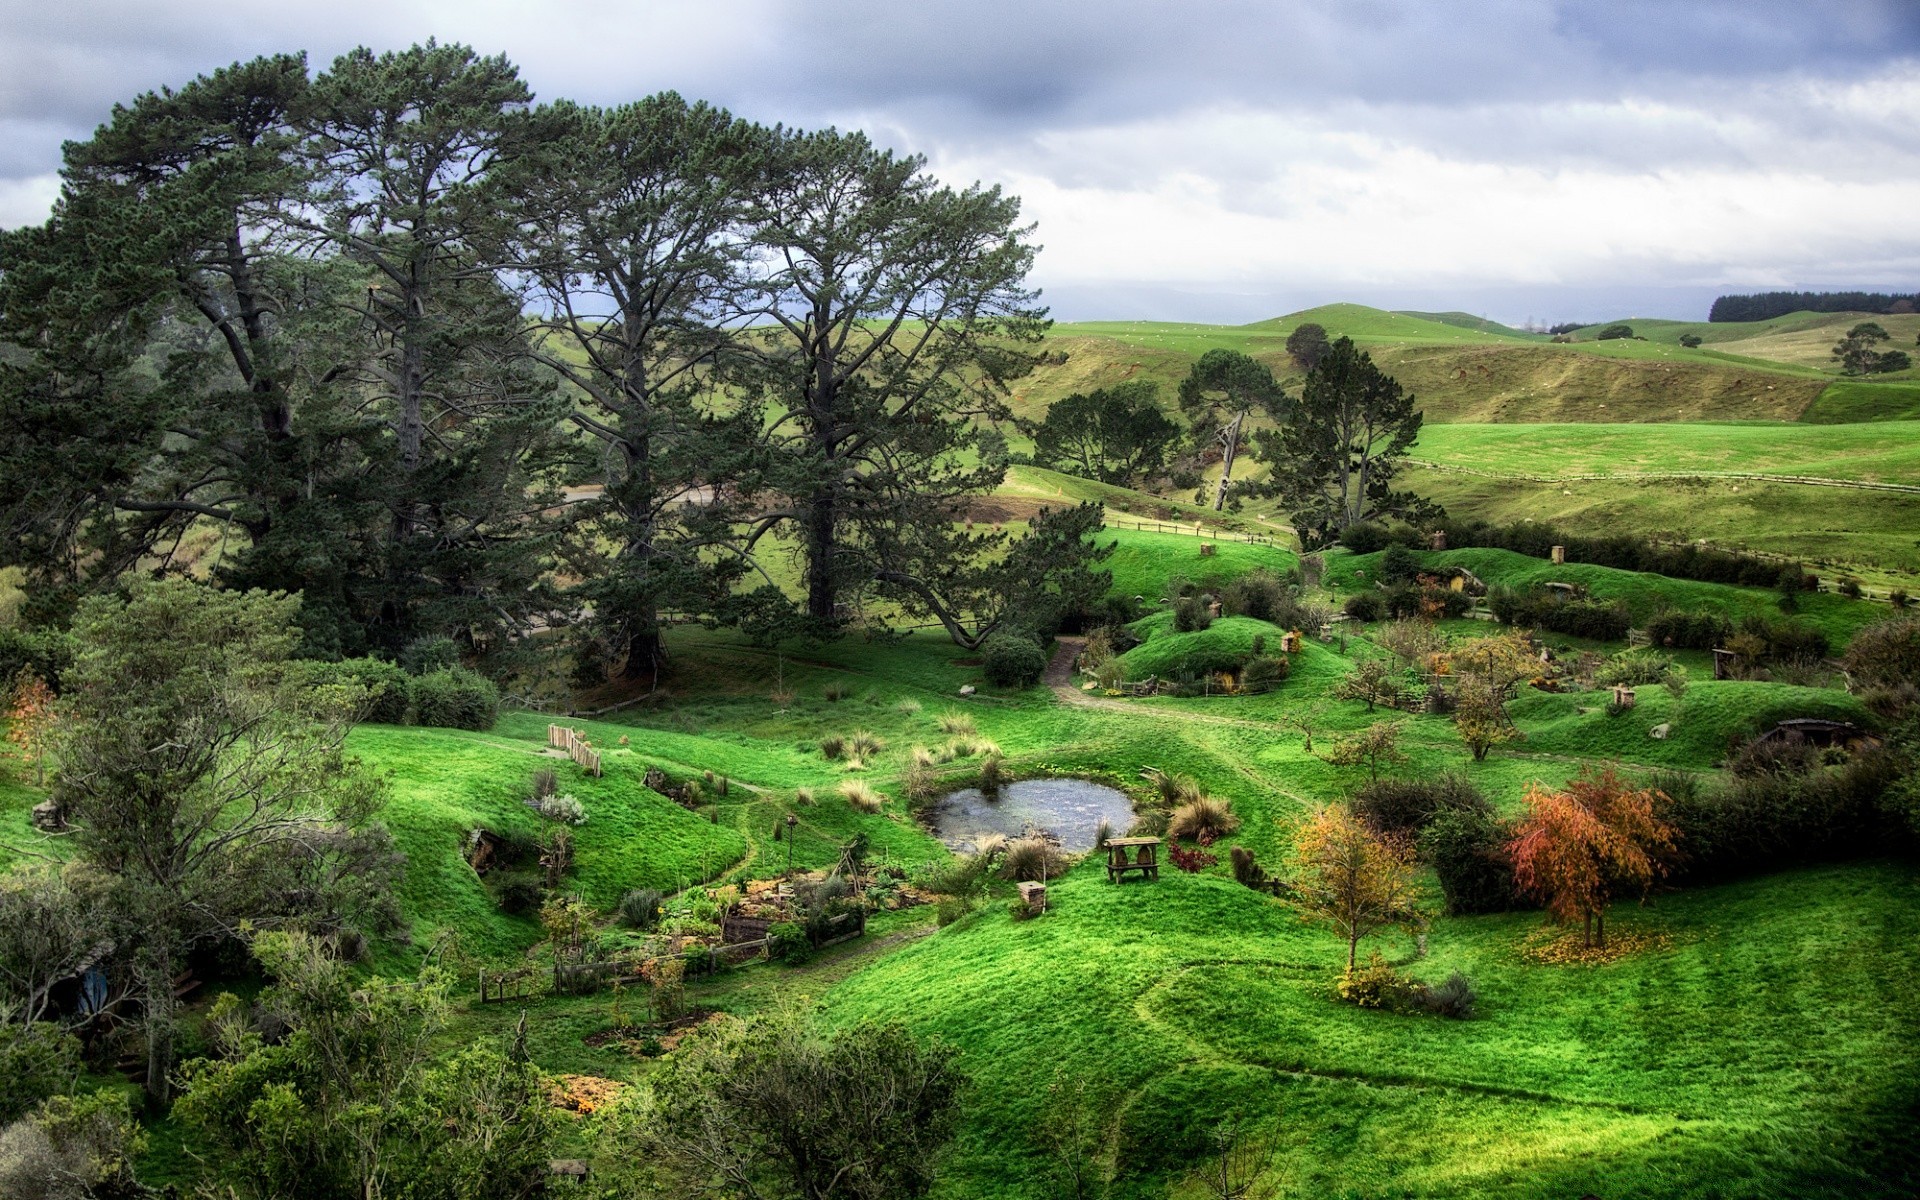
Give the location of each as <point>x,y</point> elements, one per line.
<point>27,201</point>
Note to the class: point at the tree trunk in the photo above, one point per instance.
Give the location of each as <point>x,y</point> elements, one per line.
<point>1600,927</point>
<point>820,546</point>
<point>1230,442</point>
<point>1353,950</point>
<point>157,1008</point>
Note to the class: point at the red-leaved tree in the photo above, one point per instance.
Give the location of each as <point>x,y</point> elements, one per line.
<point>1580,848</point>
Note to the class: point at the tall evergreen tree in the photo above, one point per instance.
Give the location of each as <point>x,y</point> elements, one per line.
<point>1224,389</point>
<point>899,311</point>
<point>627,225</point>
<point>404,143</point>
<point>1335,461</point>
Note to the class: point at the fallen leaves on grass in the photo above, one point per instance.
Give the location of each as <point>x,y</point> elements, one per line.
<point>1554,946</point>
<point>582,1094</point>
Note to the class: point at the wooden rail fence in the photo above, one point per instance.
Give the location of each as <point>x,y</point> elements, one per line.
<point>563,737</point>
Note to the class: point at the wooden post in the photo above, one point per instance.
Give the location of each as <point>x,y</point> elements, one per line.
<point>1559,555</point>
<point>1439,539</point>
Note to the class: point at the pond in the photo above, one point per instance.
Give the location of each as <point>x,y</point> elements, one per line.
<point>1070,809</point>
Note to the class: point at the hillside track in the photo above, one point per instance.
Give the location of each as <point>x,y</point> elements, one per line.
<point>1643,476</point>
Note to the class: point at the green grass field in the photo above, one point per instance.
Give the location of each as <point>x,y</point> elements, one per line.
<point>1887,452</point>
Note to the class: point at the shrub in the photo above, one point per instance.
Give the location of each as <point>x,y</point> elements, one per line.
<point>1191,614</point>
<point>518,892</point>
<point>1264,674</point>
<point>565,809</point>
<point>1247,870</point>
<point>455,698</point>
<point>1399,565</point>
<point>1688,630</point>
<point>1635,668</point>
<point>45,652</point>
<point>861,796</point>
<point>1409,805</point>
<point>1032,859</point>
<point>1174,789</point>
<point>37,1061</point>
<point>1259,594</point>
<point>787,942</point>
<point>836,691</point>
<point>1468,850</point>
<point>1850,588</point>
<point>1899,598</point>
<point>1690,340</point>
<point>1366,606</point>
<point>1686,561</point>
<point>1191,861</point>
<point>1365,537</point>
<point>1202,819</point>
<point>640,908</point>
<point>1541,608</point>
<point>1770,820</point>
<point>1885,653</point>
<point>1375,985</point>
<point>544,782</point>
<point>951,909</point>
<point>992,775</point>
<point>1010,661</point>
<point>388,687</point>
<point>426,655</point>
<point>1454,997</point>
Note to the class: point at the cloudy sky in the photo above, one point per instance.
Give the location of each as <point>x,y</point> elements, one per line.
<point>1212,159</point>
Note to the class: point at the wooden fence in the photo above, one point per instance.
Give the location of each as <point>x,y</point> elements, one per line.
<point>1197,530</point>
<point>562,737</point>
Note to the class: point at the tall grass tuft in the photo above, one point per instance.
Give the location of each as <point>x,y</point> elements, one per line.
<point>867,744</point>
<point>803,797</point>
<point>1031,859</point>
<point>833,746</point>
<point>992,775</point>
<point>953,722</point>
<point>859,794</point>
<point>1174,790</point>
<point>835,692</point>
<point>1202,819</point>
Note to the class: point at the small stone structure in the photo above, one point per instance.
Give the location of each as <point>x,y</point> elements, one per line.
<point>1034,896</point>
<point>1559,555</point>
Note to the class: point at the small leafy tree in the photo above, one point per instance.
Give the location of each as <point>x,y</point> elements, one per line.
<point>1579,848</point>
<point>1482,720</point>
<point>1308,344</point>
<point>1614,333</point>
<point>1358,880</point>
<point>30,720</point>
<point>1374,680</point>
<point>776,1107</point>
<point>1222,391</point>
<point>1305,717</point>
<point>1858,353</point>
<point>1376,746</point>
<point>1114,435</point>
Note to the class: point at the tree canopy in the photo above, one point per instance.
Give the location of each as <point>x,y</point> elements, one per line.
<point>1115,435</point>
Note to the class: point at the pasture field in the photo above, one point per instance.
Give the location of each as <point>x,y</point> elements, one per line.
<point>1887,452</point>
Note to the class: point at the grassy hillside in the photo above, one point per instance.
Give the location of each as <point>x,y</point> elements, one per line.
<point>1880,453</point>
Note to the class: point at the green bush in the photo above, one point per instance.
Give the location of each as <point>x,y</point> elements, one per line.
<point>1394,805</point>
<point>37,1061</point>
<point>389,690</point>
<point>787,942</point>
<point>1468,850</point>
<point>1886,653</point>
<point>1399,565</point>
<point>455,698</point>
<point>1011,661</point>
<point>45,652</point>
<point>1614,333</point>
<point>518,893</point>
<point>1688,630</point>
<point>1540,608</point>
<point>1773,819</point>
<point>1366,606</point>
<point>1264,674</point>
<point>1365,537</point>
<point>1191,614</point>
<point>425,655</point>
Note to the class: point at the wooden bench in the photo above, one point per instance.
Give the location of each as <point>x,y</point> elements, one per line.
<point>1133,854</point>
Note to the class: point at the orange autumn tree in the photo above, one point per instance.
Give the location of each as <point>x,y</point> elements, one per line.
<point>1357,880</point>
<point>1579,848</point>
<point>30,719</point>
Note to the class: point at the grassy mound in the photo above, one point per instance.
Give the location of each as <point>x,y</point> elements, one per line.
<point>1216,648</point>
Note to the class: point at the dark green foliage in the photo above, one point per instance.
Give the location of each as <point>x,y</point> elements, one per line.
<point>1365,537</point>
<point>1114,435</point>
<point>1454,997</point>
<point>1409,600</point>
<point>1264,596</point>
<point>1686,561</point>
<point>518,893</point>
<point>1764,306</point>
<point>1307,345</point>
<point>388,688</point>
<point>1010,661</point>
<point>1772,818</point>
<point>36,1061</point>
<point>1366,606</point>
<point>425,655</point>
<point>44,652</point>
<point>1858,352</point>
<point>1468,850</point>
<point>1224,388</point>
<point>860,1113</point>
<point>1394,805</point>
<point>455,698</point>
<point>1886,653</point>
<point>1542,608</point>
<point>787,942</point>
<point>1614,333</point>
<point>1335,460</point>
<point>1263,674</point>
<point>1690,340</point>
<point>1681,630</point>
<point>1398,565</point>
<point>1785,640</point>
<point>1191,614</point>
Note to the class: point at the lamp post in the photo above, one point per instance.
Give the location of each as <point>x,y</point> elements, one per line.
<point>791,822</point>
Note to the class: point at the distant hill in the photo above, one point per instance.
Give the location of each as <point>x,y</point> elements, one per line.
<point>1469,321</point>
<point>1765,305</point>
